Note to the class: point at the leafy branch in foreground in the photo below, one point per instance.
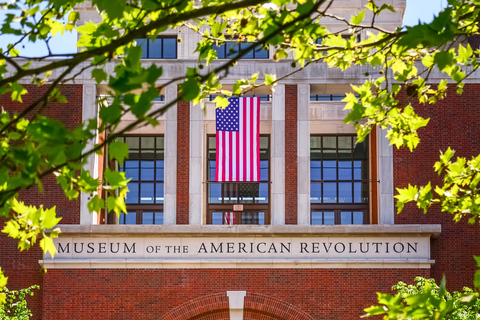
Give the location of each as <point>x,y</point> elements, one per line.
<point>426,300</point>
<point>32,146</point>
<point>15,306</point>
<point>459,194</point>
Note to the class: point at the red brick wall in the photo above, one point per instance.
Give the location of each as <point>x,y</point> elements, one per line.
<point>152,293</point>
<point>183,161</point>
<point>22,268</point>
<point>291,192</point>
<point>454,122</point>
<point>70,114</point>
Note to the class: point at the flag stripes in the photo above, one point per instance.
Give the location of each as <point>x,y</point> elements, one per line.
<point>238,140</point>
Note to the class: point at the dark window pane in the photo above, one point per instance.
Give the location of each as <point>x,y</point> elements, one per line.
<point>345,147</point>
<point>264,170</point>
<point>261,53</point>
<point>358,217</point>
<point>365,192</point>
<point>346,217</point>
<point>160,166</point>
<point>155,49</point>
<point>230,194</point>
<point>315,148</point>
<point>217,218</point>
<point>158,218</point>
<point>253,218</point>
<point>133,147</point>
<point>330,192</point>
<point>146,192</point>
<point>148,148</point>
<point>232,49</point>
<point>159,193</point>
<point>329,170</point>
<point>357,170</point>
<point>262,193</point>
<point>169,48</point>
<point>315,192</point>
<point>211,169</point>
<point>143,43</point>
<point>131,218</point>
<point>215,193</point>
<point>131,169</point>
<point>248,55</point>
<point>338,97</point>
<point>220,51</point>
<point>132,194</point>
<point>344,170</point>
<point>248,191</point>
<point>329,218</point>
<point>317,218</point>
<point>361,150</point>
<point>360,192</point>
<point>147,218</point>
<point>315,170</point>
<point>345,192</point>
<point>329,147</point>
<point>365,169</point>
<point>147,170</point>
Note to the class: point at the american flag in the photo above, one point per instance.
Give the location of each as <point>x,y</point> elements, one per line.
<point>238,140</point>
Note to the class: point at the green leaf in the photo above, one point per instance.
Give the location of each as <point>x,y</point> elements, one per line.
<point>443,60</point>
<point>118,150</point>
<point>47,245</point>
<point>99,75</point>
<point>358,18</point>
<point>17,91</point>
<point>114,8</point>
<point>190,89</point>
<point>96,204</point>
<point>270,79</point>
<point>117,205</point>
<point>115,179</point>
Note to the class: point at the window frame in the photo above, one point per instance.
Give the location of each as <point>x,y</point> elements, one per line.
<point>145,55</point>
<point>339,207</point>
<point>140,208</point>
<point>247,207</point>
<point>225,47</point>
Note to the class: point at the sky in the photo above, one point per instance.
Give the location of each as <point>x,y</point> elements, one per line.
<point>417,10</point>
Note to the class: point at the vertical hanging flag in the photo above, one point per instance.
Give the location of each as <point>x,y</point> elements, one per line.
<point>238,140</point>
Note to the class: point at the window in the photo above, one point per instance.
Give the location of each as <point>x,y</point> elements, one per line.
<point>263,97</point>
<point>161,48</point>
<point>145,168</point>
<point>328,97</point>
<point>344,37</point>
<point>230,49</point>
<point>339,186</point>
<point>238,202</point>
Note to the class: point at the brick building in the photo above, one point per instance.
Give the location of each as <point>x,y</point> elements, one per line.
<point>315,238</point>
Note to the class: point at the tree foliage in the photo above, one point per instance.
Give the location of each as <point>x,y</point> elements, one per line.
<point>15,306</point>
<point>426,300</point>
<point>33,146</point>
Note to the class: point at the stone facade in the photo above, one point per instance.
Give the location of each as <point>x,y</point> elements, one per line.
<point>225,285</point>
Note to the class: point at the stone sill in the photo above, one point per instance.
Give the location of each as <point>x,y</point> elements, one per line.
<point>431,230</point>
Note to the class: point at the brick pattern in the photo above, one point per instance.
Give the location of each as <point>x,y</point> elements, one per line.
<point>291,154</point>
<point>171,293</point>
<point>183,161</point>
<point>208,307</point>
<point>71,115</point>
<point>454,122</point>
<point>259,306</point>
<point>22,268</point>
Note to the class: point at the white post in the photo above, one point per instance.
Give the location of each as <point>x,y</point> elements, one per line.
<point>278,155</point>
<point>170,205</point>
